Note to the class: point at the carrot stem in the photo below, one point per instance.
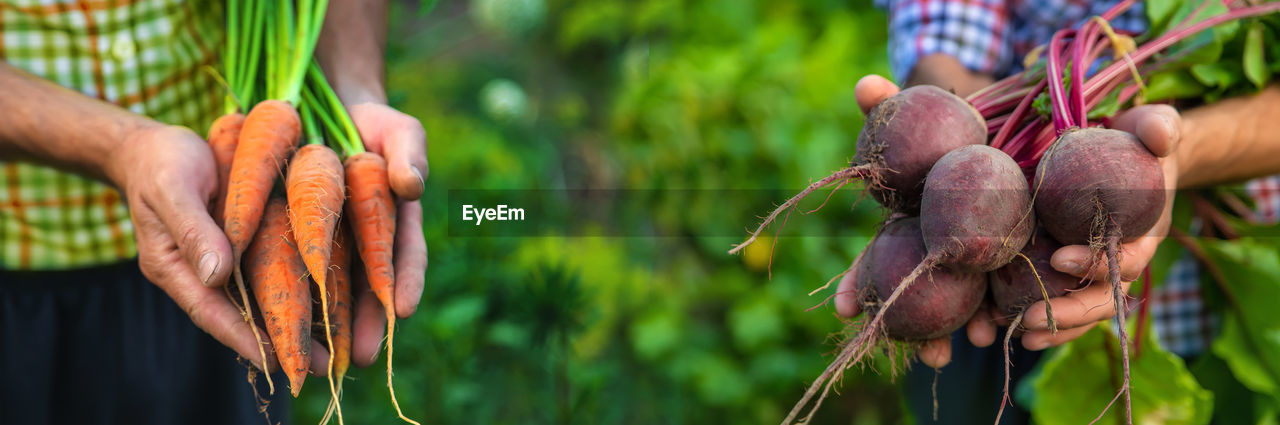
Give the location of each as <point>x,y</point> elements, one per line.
<point>354,144</point>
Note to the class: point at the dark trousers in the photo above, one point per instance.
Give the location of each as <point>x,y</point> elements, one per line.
<point>104,345</point>
<point>971,386</point>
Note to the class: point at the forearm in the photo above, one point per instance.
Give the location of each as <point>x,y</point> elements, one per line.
<point>43,122</point>
<point>1230,140</point>
<point>350,49</point>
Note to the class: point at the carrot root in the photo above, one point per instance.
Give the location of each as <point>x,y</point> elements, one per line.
<point>279,281</point>
<point>373,218</point>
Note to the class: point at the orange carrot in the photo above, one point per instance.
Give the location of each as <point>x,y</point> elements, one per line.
<point>279,282</point>
<point>315,192</point>
<point>372,213</point>
<point>269,135</point>
<point>338,286</point>
<point>314,186</point>
<point>224,135</point>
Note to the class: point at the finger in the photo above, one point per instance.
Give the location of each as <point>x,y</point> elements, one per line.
<point>410,258</point>
<point>400,139</point>
<point>1084,262</point>
<point>871,90</point>
<point>1039,340</point>
<point>1157,126</point>
<point>202,244</point>
<point>370,324</point>
<point>936,353</point>
<point>848,303</point>
<point>1091,304</point>
<point>319,359</point>
<point>981,329</point>
<point>406,153</point>
<point>208,308</point>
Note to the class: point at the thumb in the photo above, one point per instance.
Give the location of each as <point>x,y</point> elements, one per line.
<point>1157,126</point>
<point>871,90</point>
<point>201,243</point>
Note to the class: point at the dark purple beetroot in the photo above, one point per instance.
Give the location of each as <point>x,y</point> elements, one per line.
<point>1098,183</point>
<point>936,304</point>
<point>906,133</point>
<point>976,209</point>
<point>1014,287</point>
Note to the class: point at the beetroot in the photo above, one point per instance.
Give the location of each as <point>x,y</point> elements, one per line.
<point>1098,183</point>
<point>1014,287</point>
<point>903,137</point>
<point>906,134</point>
<point>976,209</point>
<point>978,217</point>
<point>1101,187</point>
<point>940,302</point>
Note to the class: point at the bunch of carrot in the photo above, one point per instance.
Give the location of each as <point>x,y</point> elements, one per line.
<point>286,235</point>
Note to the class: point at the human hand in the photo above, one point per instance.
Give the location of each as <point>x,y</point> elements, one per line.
<point>1158,127</point>
<point>168,177</point>
<point>402,141</point>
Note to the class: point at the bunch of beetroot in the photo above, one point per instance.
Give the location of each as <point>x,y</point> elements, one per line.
<point>990,188</point>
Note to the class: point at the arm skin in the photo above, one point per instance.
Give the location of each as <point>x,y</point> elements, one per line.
<point>1231,140</point>
<point>350,51</point>
<point>166,174</point>
<point>1227,141</point>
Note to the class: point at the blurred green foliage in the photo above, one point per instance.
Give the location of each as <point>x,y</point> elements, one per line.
<point>642,94</point>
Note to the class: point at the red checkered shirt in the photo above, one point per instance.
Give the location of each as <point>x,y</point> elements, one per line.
<point>992,37</point>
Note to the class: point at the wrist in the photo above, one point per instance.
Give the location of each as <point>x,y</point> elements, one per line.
<point>130,149</point>
<point>353,93</point>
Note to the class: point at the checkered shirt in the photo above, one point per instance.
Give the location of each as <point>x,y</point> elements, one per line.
<point>992,37</point>
<point>143,55</point>
<point>985,35</point>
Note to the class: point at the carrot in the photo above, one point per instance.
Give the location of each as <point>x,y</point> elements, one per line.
<point>373,218</point>
<point>269,135</point>
<point>315,192</point>
<point>279,282</point>
<point>338,287</point>
<point>224,135</point>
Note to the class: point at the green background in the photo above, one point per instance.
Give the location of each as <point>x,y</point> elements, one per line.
<point>709,113</point>
<point>654,94</point>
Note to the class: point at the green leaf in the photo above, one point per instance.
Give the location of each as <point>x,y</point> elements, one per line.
<point>1255,63</point>
<point>1173,85</point>
<point>1250,339</point>
<point>1159,12</point>
<point>1077,384</point>
<point>1233,346</point>
<point>1233,403</point>
<point>1109,106</point>
<point>1218,74</point>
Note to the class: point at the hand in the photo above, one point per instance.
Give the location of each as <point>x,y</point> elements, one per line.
<point>1158,127</point>
<point>168,177</point>
<point>400,139</point>
<point>870,91</point>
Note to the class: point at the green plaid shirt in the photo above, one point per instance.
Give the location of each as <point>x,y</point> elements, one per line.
<point>143,55</point>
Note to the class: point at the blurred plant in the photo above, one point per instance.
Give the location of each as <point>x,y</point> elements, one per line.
<point>711,111</point>
<point>504,101</point>
<point>509,18</point>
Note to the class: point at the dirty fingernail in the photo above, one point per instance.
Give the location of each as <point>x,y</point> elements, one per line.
<point>422,183</point>
<point>208,263</point>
